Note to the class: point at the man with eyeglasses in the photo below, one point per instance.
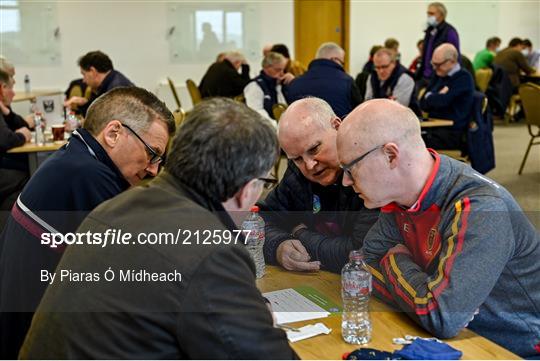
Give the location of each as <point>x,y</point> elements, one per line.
<point>214,173</point>
<point>451,248</point>
<point>391,80</point>
<point>123,140</point>
<point>266,90</point>
<point>448,96</point>
<point>312,221</point>
<point>326,79</point>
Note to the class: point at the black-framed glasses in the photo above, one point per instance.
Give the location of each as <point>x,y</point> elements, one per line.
<point>155,158</point>
<point>438,65</point>
<point>269,183</point>
<point>347,167</point>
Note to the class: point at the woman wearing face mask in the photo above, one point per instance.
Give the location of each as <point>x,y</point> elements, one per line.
<point>533,56</point>
<point>437,33</point>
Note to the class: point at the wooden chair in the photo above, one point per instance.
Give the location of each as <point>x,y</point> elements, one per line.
<point>179,117</point>
<point>194,92</point>
<point>530,98</point>
<point>175,94</point>
<point>277,110</point>
<point>240,99</point>
<point>483,76</point>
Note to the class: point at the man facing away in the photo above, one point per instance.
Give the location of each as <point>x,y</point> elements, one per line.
<point>213,310</point>
<point>326,79</point>
<point>123,140</point>
<point>222,79</point>
<point>98,72</point>
<point>451,248</point>
<point>312,221</point>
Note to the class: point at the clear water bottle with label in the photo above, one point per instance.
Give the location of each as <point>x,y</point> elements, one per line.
<point>355,291</point>
<point>40,128</point>
<point>72,122</point>
<point>254,223</point>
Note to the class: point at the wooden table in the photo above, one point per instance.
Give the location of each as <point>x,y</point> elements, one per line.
<point>36,153</point>
<point>386,323</point>
<point>23,96</point>
<point>434,122</point>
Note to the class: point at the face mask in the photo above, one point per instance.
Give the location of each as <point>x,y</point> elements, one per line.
<point>525,52</point>
<point>498,49</point>
<point>432,21</point>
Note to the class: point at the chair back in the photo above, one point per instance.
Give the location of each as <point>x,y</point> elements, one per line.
<point>483,77</point>
<point>278,110</point>
<point>179,117</point>
<point>240,99</point>
<point>530,100</point>
<point>194,92</point>
<point>174,93</point>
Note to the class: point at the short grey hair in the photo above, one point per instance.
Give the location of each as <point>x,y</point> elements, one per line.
<point>220,147</point>
<point>234,56</point>
<point>6,66</point>
<point>440,6</point>
<point>318,110</point>
<point>386,51</point>
<point>272,58</point>
<point>136,107</point>
<point>329,50</point>
<point>450,52</point>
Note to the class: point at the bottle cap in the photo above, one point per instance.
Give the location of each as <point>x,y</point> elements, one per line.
<point>356,255</point>
<point>255,209</point>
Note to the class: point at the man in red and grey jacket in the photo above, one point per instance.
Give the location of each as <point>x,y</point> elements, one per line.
<point>451,248</point>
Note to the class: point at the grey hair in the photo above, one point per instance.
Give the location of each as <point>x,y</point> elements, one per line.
<point>136,107</point>
<point>386,51</point>
<point>329,50</point>
<point>6,66</point>
<point>320,112</point>
<point>440,7</point>
<point>234,56</point>
<point>272,58</point>
<point>220,147</point>
<point>450,52</point>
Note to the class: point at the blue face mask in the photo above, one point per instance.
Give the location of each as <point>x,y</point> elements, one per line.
<point>432,20</point>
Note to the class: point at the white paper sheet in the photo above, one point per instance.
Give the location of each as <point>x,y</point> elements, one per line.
<point>290,306</point>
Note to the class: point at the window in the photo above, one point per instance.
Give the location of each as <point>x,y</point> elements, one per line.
<point>10,17</point>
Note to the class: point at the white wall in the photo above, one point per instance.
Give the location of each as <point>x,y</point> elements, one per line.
<point>133,34</point>
<point>372,22</point>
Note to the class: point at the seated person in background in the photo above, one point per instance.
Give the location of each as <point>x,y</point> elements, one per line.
<point>77,88</point>
<point>216,310</point>
<point>123,140</point>
<point>484,58</point>
<point>312,221</point>
<point>513,62</point>
<point>99,74</point>
<point>265,90</point>
<point>293,67</point>
<point>222,78</point>
<point>326,79</point>
<point>451,248</point>
<point>390,80</point>
<point>14,132</point>
<point>361,78</point>
<point>393,44</point>
<point>449,95</point>
<point>533,56</point>
<point>415,64</point>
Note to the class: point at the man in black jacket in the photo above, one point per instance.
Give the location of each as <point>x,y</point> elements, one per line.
<point>123,140</point>
<point>312,221</point>
<point>222,78</point>
<point>209,307</point>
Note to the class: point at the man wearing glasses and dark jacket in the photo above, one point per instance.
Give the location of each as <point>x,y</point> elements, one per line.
<point>101,160</point>
<point>312,221</point>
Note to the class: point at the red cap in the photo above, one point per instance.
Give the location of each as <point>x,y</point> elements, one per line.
<point>255,208</point>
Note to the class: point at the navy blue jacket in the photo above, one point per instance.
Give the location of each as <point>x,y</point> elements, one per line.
<point>268,86</point>
<point>113,80</point>
<point>456,104</point>
<point>327,80</point>
<point>71,183</point>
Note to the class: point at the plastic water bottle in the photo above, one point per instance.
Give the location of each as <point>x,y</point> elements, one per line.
<point>255,239</point>
<point>72,122</point>
<point>40,128</point>
<point>355,291</point>
<point>27,84</point>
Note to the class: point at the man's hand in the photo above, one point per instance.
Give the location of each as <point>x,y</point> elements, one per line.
<point>29,119</point>
<point>26,132</point>
<point>444,90</point>
<point>286,78</point>
<point>292,255</point>
<point>75,101</point>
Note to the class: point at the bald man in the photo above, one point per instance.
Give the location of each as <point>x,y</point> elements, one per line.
<point>448,96</point>
<point>312,221</point>
<point>451,247</point>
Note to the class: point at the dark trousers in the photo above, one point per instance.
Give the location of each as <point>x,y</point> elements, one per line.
<point>443,138</point>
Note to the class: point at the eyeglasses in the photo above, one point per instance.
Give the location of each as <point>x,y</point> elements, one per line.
<point>438,65</point>
<point>382,67</point>
<point>347,167</point>
<point>269,183</point>
<point>155,158</point>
